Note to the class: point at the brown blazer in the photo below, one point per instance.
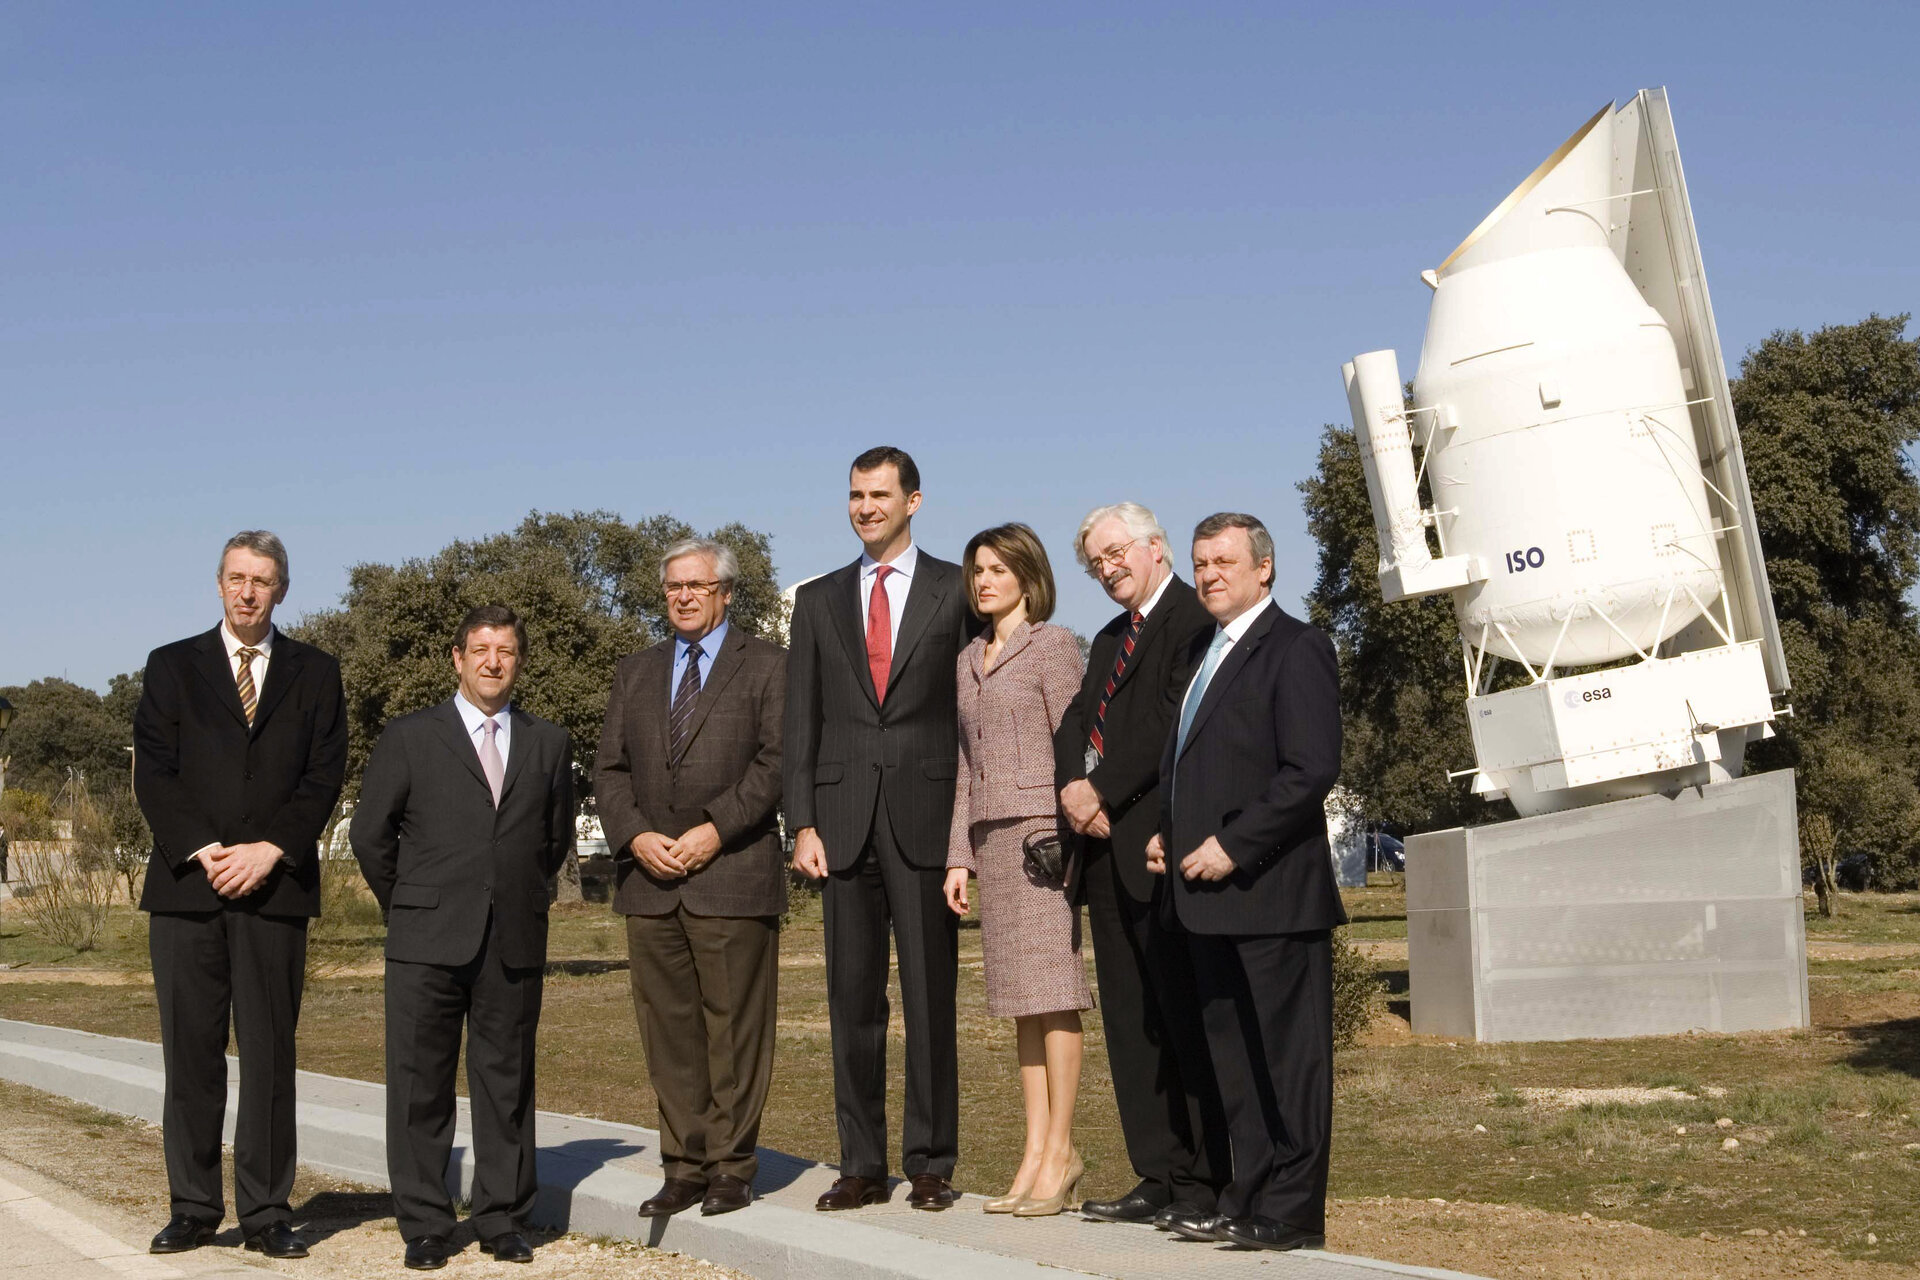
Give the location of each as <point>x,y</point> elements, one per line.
<point>729,775</point>
<point>1007,719</point>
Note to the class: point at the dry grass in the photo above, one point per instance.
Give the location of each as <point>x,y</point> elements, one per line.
<point>1823,1118</point>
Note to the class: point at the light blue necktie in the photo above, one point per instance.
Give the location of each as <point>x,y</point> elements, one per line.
<point>1197,694</point>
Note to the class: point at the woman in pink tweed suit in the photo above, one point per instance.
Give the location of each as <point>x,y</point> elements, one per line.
<point>1015,683</point>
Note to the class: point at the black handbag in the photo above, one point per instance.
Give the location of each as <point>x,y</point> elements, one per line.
<point>1045,856</point>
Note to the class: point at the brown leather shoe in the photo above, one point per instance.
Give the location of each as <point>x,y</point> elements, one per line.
<point>854,1193</point>
<point>674,1195</point>
<point>725,1194</point>
<point>931,1192</point>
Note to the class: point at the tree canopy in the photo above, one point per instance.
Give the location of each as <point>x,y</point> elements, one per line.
<point>61,725</point>
<point>587,585</point>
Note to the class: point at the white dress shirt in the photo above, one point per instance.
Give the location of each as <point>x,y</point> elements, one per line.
<point>260,661</point>
<point>898,582</point>
<point>1146,610</point>
<point>473,717</point>
<point>1235,630</point>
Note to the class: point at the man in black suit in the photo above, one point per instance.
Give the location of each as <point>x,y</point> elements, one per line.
<point>871,738</point>
<point>465,813</point>
<point>240,748</point>
<point>1107,765</point>
<point>1252,757</point>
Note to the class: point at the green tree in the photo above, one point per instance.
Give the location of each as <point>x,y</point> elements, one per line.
<point>587,585</point>
<point>62,725</point>
<point>1826,422</point>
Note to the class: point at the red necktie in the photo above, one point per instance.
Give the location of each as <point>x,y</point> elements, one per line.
<point>880,632</point>
<point>1125,655</point>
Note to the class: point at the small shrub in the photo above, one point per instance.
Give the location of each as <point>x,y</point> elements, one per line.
<point>68,903</point>
<point>1358,992</point>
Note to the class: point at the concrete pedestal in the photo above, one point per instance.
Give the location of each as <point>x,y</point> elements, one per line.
<point>1649,916</point>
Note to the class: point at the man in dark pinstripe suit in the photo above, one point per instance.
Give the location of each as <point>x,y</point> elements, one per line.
<point>872,736</point>
<point>687,784</point>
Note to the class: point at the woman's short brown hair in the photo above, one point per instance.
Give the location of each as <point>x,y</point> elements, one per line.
<point>1021,550</point>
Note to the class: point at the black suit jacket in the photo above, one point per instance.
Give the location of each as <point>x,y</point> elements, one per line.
<point>1263,753</point>
<point>1139,716</point>
<point>440,857</point>
<point>202,776</point>
<point>727,774</point>
<point>844,746</point>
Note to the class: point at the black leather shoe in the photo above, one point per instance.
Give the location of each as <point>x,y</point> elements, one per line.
<point>1162,1221</point>
<point>674,1195</point>
<point>930,1191</point>
<point>428,1253</point>
<point>508,1246</point>
<point>1135,1206</point>
<point>725,1194</point>
<point>1256,1232</point>
<point>1197,1226</point>
<point>181,1234</point>
<point>276,1240</point>
<point>850,1192</point>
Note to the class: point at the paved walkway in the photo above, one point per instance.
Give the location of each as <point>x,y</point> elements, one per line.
<point>593,1175</point>
<point>58,1234</point>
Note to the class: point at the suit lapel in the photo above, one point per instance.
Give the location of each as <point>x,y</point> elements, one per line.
<point>517,751</point>
<point>843,600</point>
<point>1016,643</point>
<point>211,661</point>
<point>1156,623</point>
<point>453,730</point>
<point>283,668</point>
<point>725,666</point>
<point>1231,666</point>
<point>654,680</point>
<point>924,594</point>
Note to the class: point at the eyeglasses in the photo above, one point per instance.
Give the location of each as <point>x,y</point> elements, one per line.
<point>700,590</point>
<point>1113,557</point>
<point>239,581</point>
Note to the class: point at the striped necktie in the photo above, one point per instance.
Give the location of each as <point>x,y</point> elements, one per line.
<point>680,718</point>
<point>249,696</point>
<point>1127,642</point>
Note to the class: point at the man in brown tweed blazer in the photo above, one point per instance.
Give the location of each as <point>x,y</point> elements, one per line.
<point>687,783</point>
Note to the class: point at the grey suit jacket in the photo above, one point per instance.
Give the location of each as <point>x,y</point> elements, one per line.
<point>728,774</point>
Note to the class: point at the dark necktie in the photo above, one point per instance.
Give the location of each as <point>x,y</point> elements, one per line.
<point>680,718</point>
<point>880,633</point>
<point>249,696</point>
<point>1127,641</point>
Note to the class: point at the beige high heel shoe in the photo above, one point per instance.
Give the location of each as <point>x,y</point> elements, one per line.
<point>1054,1204</point>
<point>1007,1202</point>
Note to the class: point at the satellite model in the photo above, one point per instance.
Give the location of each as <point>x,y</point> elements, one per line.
<point>1590,517</point>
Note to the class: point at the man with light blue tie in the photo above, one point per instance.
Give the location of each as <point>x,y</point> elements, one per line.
<point>1249,764</point>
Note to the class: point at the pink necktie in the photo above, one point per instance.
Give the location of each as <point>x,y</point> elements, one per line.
<point>490,762</point>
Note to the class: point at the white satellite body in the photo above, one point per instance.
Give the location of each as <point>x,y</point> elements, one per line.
<point>1588,514</point>
<point>1588,501</point>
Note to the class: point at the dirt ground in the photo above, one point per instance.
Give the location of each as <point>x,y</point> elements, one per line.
<point>117,1163</point>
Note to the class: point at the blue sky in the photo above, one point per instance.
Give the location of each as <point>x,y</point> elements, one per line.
<point>382,276</point>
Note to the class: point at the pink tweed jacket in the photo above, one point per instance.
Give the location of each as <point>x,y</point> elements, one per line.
<point>1007,719</point>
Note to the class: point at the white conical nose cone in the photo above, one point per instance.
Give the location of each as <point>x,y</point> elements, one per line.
<point>1576,178</point>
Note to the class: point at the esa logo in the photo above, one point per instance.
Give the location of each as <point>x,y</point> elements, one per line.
<point>1574,697</point>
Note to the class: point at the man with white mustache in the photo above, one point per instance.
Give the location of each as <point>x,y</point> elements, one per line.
<point>1107,768</point>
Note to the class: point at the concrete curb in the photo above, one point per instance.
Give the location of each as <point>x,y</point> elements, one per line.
<point>594,1174</point>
